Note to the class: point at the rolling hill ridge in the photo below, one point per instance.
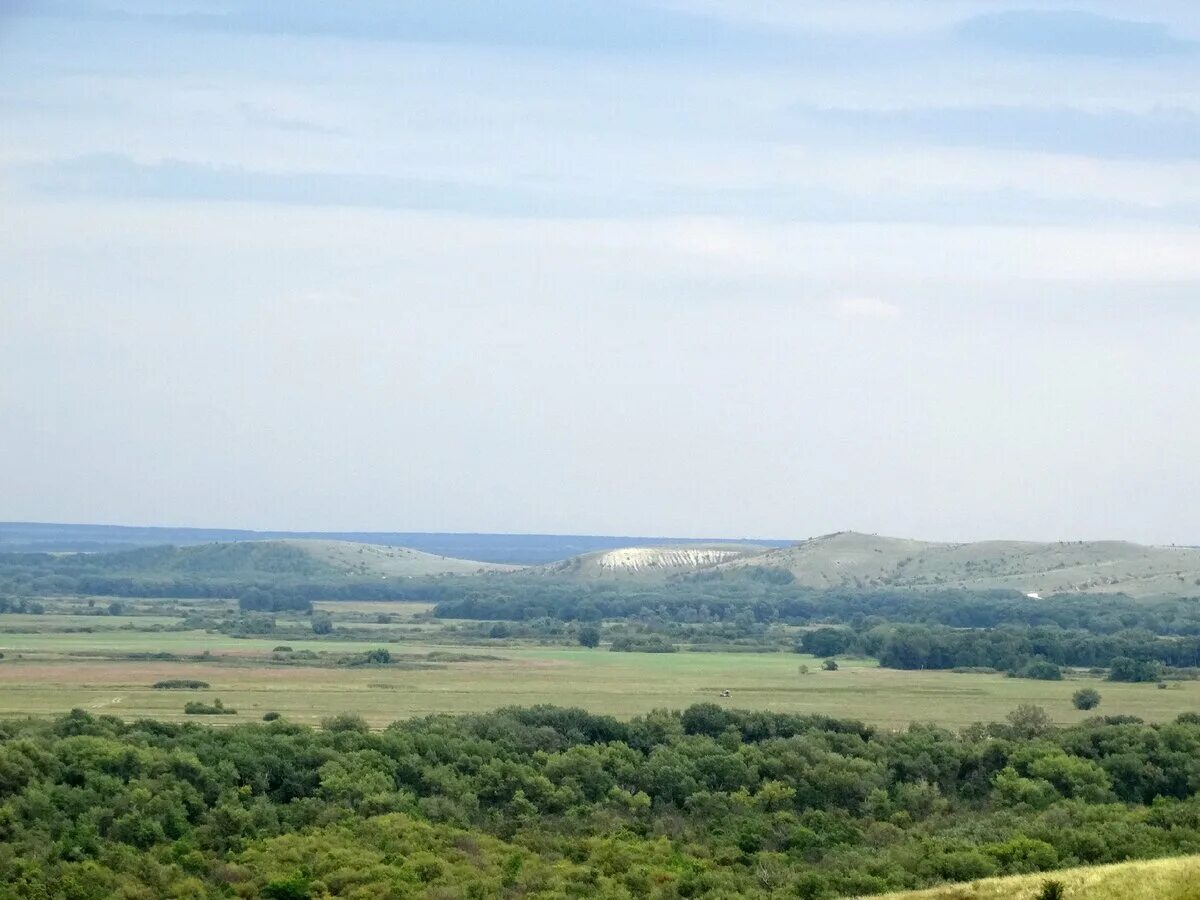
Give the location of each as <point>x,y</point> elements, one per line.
<point>851,559</point>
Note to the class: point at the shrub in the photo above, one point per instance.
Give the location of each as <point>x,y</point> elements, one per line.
<point>589,636</point>
<point>1052,890</point>
<point>282,648</point>
<point>1040,670</point>
<point>652,644</point>
<point>830,665</point>
<point>180,684</point>
<point>1086,698</point>
<point>345,722</point>
<point>296,887</point>
<point>200,708</point>
<point>271,716</point>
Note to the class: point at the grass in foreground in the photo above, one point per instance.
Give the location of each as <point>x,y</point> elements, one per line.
<point>1161,879</point>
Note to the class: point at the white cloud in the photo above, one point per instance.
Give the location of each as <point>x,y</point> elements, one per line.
<point>865,308</point>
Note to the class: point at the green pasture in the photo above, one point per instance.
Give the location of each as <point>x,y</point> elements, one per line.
<point>50,673</point>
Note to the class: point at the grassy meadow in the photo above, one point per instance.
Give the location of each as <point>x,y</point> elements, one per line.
<point>1161,879</point>
<point>51,666</point>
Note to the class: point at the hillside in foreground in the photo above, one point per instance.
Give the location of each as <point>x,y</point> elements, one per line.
<point>851,559</point>
<point>1161,879</point>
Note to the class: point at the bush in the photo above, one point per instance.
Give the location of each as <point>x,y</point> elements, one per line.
<point>271,716</point>
<point>652,644</point>
<point>200,708</point>
<point>1086,698</point>
<point>296,887</point>
<point>1039,670</point>
<point>1052,890</point>
<point>830,665</point>
<point>322,623</point>
<point>282,648</point>
<point>180,684</point>
<point>345,722</point>
<point>589,636</point>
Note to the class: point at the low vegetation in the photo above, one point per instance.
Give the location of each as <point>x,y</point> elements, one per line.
<point>200,708</point>
<point>180,684</point>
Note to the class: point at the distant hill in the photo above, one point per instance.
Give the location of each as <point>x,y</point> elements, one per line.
<point>850,559</point>
<point>651,560</point>
<point>353,558</point>
<point>309,559</point>
<point>844,559</point>
<point>1160,879</point>
<point>512,549</point>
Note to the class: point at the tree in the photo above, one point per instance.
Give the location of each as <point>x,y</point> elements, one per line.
<point>830,665</point>
<point>589,636</point>
<point>1086,698</point>
<point>827,641</point>
<point>1029,720</point>
<point>322,623</point>
<point>1123,668</point>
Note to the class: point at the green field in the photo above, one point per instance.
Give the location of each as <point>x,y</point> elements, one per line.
<point>45,673</point>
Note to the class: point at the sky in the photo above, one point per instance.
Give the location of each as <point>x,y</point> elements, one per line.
<point>724,268</point>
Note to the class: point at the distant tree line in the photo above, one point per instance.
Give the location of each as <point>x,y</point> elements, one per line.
<point>1025,651</point>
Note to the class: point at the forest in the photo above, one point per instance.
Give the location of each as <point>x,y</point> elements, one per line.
<point>548,801</point>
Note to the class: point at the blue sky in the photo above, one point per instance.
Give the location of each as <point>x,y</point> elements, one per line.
<point>699,267</point>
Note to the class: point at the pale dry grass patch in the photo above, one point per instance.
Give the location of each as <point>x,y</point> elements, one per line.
<point>1162,879</point>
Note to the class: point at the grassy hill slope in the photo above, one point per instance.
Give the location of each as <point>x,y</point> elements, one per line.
<point>315,559</point>
<point>862,560</point>
<point>375,559</point>
<point>1162,879</point>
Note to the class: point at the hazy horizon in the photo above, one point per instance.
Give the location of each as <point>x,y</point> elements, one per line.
<point>689,268</point>
<point>769,538</point>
